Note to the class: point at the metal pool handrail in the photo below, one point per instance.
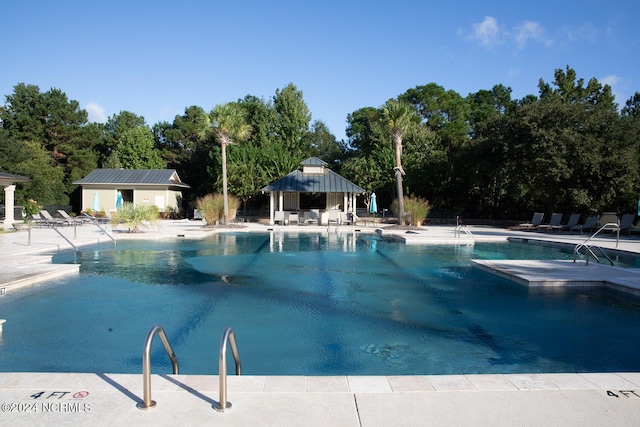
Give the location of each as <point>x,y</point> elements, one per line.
<point>147,403</point>
<point>227,336</point>
<point>94,221</point>
<point>587,247</point>
<point>461,226</point>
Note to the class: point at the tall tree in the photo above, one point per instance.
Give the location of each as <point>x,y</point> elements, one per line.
<point>58,124</point>
<point>186,144</point>
<point>114,129</point>
<point>229,123</point>
<point>292,116</point>
<point>396,118</point>
<point>322,143</point>
<point>136,150</point>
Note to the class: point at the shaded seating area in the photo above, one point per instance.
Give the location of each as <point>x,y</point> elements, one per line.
<point>313,195</point>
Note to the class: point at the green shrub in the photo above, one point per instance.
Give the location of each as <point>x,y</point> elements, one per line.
<point>211,207</point>
<point>416,209</point>
<point>133,216</point>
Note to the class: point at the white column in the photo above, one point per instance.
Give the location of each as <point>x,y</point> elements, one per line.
<point>272,202</point>
<point>9,191</point>
<point>280,201</point>
<point>345,200</point>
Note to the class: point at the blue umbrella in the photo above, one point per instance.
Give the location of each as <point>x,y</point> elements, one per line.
<point>118,200</point>
<point>373,205</point>
<point>96,202</point>
<point>638,206</point>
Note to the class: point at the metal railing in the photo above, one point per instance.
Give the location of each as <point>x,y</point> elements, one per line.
<point>461,227</point>
<point>54,228</point>
<point>227,336</point>
<point>589,248</point>
<point>94,221</point>
<point>147,403</point>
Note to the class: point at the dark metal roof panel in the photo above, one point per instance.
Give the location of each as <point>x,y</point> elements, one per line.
<point>328,182</point>
<point>314,161</point>
<point>13,177</point>
<point>133,177</point>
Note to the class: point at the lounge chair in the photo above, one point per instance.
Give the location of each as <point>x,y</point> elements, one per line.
<point>556,220</point>
<point>280,217</point>
<point>334,217</point>
<point>81,220</point>
<point>573,221</point>
<point>46,216</point>
<point>626,224</point>
<point>535,221</point>
<point>38,221</point>
<point>312,217</point>
<point>345,218</point>
<point>589,224</point>
<point>293,217</point>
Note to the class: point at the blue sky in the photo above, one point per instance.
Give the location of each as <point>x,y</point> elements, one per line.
<point>157,58</point>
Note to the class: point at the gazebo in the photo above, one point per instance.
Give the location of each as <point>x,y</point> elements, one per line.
<point>7,180</point>
<point>315,188</point>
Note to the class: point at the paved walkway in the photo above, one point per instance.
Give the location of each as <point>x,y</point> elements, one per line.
<point>493,400</point>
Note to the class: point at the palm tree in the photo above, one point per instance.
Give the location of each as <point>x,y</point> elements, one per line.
<point>396,118</point>
<point>229,122</point>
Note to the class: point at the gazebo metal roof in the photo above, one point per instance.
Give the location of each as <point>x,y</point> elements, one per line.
<point>304,182</point>
<point>9,178</point>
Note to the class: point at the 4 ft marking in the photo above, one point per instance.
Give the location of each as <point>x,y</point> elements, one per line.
<point>623,393</point>
<point>61,394</point>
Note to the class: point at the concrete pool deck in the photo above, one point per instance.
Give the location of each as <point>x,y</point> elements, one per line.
<point>108,399</point>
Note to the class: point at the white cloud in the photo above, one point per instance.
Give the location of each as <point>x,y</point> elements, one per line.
<point>610,80</point>
<point>579,33</point>
<point>613,80</point>
<point>96,112</point>
<point>490,33</point>
<point>487,32</point>
<point>530,30</point>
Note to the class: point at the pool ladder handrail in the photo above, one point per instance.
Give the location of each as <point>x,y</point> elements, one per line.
<point>588,248</point>
<point>147,403</point>
<point>227,336</point>
<point>94,221</point>
<point>460,226</point>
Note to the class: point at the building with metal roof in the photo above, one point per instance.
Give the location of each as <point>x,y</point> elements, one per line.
<point>315,187</point>
<point>159,187</point>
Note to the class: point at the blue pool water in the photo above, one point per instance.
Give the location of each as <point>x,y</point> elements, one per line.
<point>315,304</point>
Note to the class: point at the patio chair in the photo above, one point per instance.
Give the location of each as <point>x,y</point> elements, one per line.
<point>79,220</point>
<point>589,224</point>
<point>279,217</point>
<point>293,217</point>
<point>334,217</point>
<point>38,221</point>
<point>535,221</point>
<point>312,217</point>
<point>345,218</point>
<point>626,224</point>
<point>51,220</point>
<point>573,221</point>
<point>556,220</point>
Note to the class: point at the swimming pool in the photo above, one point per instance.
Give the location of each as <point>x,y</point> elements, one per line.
<point>315,304</point>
